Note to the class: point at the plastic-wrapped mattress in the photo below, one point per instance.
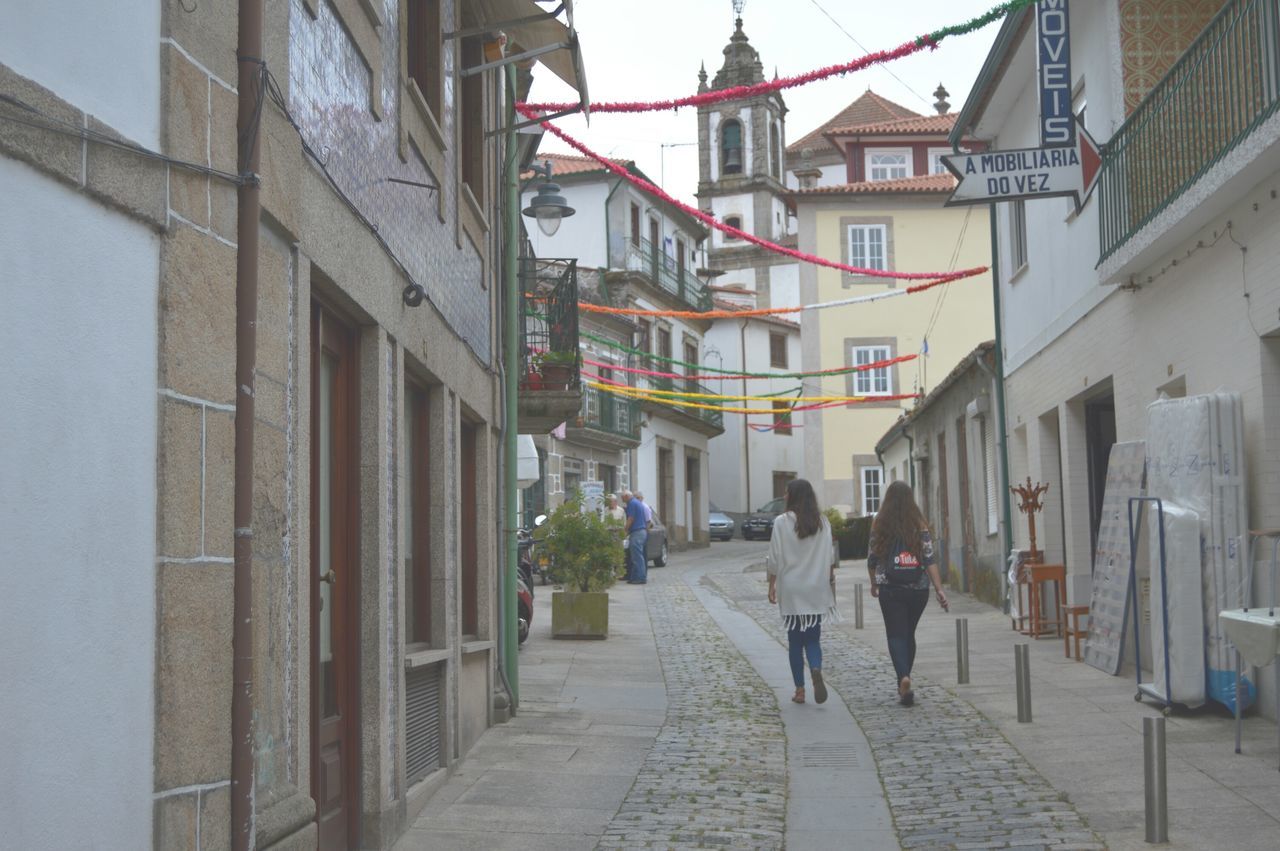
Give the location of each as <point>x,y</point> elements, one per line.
<point>1178,598</point>
<point>1195,460</point>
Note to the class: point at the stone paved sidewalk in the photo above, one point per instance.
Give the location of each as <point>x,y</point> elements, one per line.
<point>952,779</point>
<point>717,774</point>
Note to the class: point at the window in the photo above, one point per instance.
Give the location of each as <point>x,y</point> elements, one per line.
<point>987,439</point>
<point>471,117</point>
<point>655,241</point>
<point>680,259</point>
<point>664,344</point>
<point>781,479</point>
<point>781,417</point>
<point>572,476</point>
<point>872,382</point>
<point>733,222</point>
<point>1018,234</point>
<point>422,46</point>
<point>607,474</point>
<point>635,224</point>
<point>888,164</point>
<point>731,147</point>
<point>469,551</point>
<point>644,336</point>
<point>935,160</point>
<point>775,152</point>
<point>778,350</point>
<point>417,514</point>
<point>867,246</point>
<point>872,481</point>
<point>691,358</point>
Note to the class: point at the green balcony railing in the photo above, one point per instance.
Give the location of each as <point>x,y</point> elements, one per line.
<point>549,358</point>
<point>1224,85</point>
<point>611,413</point>
<point>666,274</point>
<point>681,385</point>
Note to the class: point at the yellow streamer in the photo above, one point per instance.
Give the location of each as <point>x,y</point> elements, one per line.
<point>678,403</point>
<point>647,392</point>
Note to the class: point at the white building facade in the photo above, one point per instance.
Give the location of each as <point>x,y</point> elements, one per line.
<point>1161,284</point>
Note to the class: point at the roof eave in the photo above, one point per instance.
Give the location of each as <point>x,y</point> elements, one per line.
<point>989,77</point>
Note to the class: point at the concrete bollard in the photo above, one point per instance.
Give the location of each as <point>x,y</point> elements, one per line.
<point>1155,791</point>
<point>857,606</point>
<point>1022,677</point>
<point>962,651</point>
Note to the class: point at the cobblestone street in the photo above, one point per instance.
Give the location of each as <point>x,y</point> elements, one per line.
<point>596,759</point>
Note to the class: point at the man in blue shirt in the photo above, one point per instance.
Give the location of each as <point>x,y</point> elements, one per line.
<point>637,530</point>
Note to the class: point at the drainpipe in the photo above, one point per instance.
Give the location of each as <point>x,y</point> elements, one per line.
<point>911,457</point>
<point>511,368</point>
<point>248,214</point>
<point>746,429</point>
<point>997,376</point>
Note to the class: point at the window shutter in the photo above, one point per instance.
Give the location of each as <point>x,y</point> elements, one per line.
<point>422,721</point>
<point>990,468</point>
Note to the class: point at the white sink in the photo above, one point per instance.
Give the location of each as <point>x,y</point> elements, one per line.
<point>1255,633</point>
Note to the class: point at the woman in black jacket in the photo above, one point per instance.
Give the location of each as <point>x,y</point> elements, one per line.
<point>902,568</point>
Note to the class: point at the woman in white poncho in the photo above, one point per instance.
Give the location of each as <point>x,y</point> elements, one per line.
<point>802,581</point>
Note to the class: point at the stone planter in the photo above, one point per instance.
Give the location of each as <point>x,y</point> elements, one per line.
<point>575,614</point>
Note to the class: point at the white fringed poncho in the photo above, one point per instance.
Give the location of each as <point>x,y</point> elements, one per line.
<point>803,567</point>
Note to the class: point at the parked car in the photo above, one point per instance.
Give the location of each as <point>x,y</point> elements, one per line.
<point>760,523</point>
<point>655,549</point>
<point>721,524</point>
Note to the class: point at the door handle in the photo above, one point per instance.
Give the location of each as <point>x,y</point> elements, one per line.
<point>329,577</point>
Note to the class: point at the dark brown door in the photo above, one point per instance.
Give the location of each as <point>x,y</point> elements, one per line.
<point>334,583</point>
<point>944,504</point>
<point>666,506</point>
<point>968,545</point>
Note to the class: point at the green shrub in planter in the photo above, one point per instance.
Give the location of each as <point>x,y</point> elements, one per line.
<point>586,550</point>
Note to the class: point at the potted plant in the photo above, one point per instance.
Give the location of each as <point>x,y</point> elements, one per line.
<point>586,554</point>
<point>556,368</point>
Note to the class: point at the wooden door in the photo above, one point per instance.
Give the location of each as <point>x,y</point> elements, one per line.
<point>334,583</point>
<point>968,544</point>
<point>944,503</point>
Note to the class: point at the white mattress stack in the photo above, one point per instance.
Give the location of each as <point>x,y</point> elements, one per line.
<point>1195,455</point>
<point>1178,599</point>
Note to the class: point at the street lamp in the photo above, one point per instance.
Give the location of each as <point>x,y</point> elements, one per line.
<point>548,206</point>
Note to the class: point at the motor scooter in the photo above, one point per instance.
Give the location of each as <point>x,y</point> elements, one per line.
<point>524,607</point>
<point>524,559</point>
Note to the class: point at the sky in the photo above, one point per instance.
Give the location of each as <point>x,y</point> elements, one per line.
<point>653,49</point>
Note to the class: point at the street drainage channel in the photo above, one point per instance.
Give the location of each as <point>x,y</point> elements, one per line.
<point>829,755</point>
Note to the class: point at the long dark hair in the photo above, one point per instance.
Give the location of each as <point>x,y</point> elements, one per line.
<point>899,521</point>
<point>803,502</point>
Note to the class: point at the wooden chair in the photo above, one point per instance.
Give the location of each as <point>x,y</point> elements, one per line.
<point>1038,575</point>
<point>1072,628</point>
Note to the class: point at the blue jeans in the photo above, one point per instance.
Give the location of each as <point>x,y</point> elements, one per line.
<point>801,643</point>
<point>638,565</point>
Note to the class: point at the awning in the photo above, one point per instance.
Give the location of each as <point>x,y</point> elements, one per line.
<point>534,32</point>
<point>527,468</point>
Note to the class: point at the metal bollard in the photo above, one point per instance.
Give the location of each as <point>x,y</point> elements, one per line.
<point>1022,676</point>
<point>962,651</point>
<point>1155,790</point>
<point>857,606</point>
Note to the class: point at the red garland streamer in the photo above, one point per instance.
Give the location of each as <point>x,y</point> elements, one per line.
<point>742,92</point>
<point>736,376</point>
<point>711,221</point>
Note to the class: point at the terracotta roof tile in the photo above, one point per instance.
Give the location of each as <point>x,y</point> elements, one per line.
<point>930,124</point>
<point>566,164</point>
<point>922,184</point>
<point>870,108</point>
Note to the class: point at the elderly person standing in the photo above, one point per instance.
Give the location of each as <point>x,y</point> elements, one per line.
<point>636,527</point>
<point>613,511</point>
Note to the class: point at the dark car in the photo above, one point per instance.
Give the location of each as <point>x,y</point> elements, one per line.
<point>760,523</point>
<point>721,525</point>
<point>655,548</point>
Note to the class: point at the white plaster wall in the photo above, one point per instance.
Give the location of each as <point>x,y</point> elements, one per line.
<point>784,288</point>
<point>1058,285</point>
<point>65,45</point>
<point>77,506</point>
<point>732,205</point>
<point>581,235</point>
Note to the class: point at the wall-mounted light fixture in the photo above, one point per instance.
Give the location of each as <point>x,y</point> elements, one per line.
<point>548,206</point>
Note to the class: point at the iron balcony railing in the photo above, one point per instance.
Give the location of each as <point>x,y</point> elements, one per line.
<point>1224,85</point>
<point>610,413</point>
<point>549,358</point>
<point>666,274</point>
<point>681,385</point>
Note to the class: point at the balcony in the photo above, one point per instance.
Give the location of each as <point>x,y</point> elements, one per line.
<point>1190,126</point>
<point>665,274</point>
<point>550,380</point>
<point>606,421</point>
<point>706,421</point>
